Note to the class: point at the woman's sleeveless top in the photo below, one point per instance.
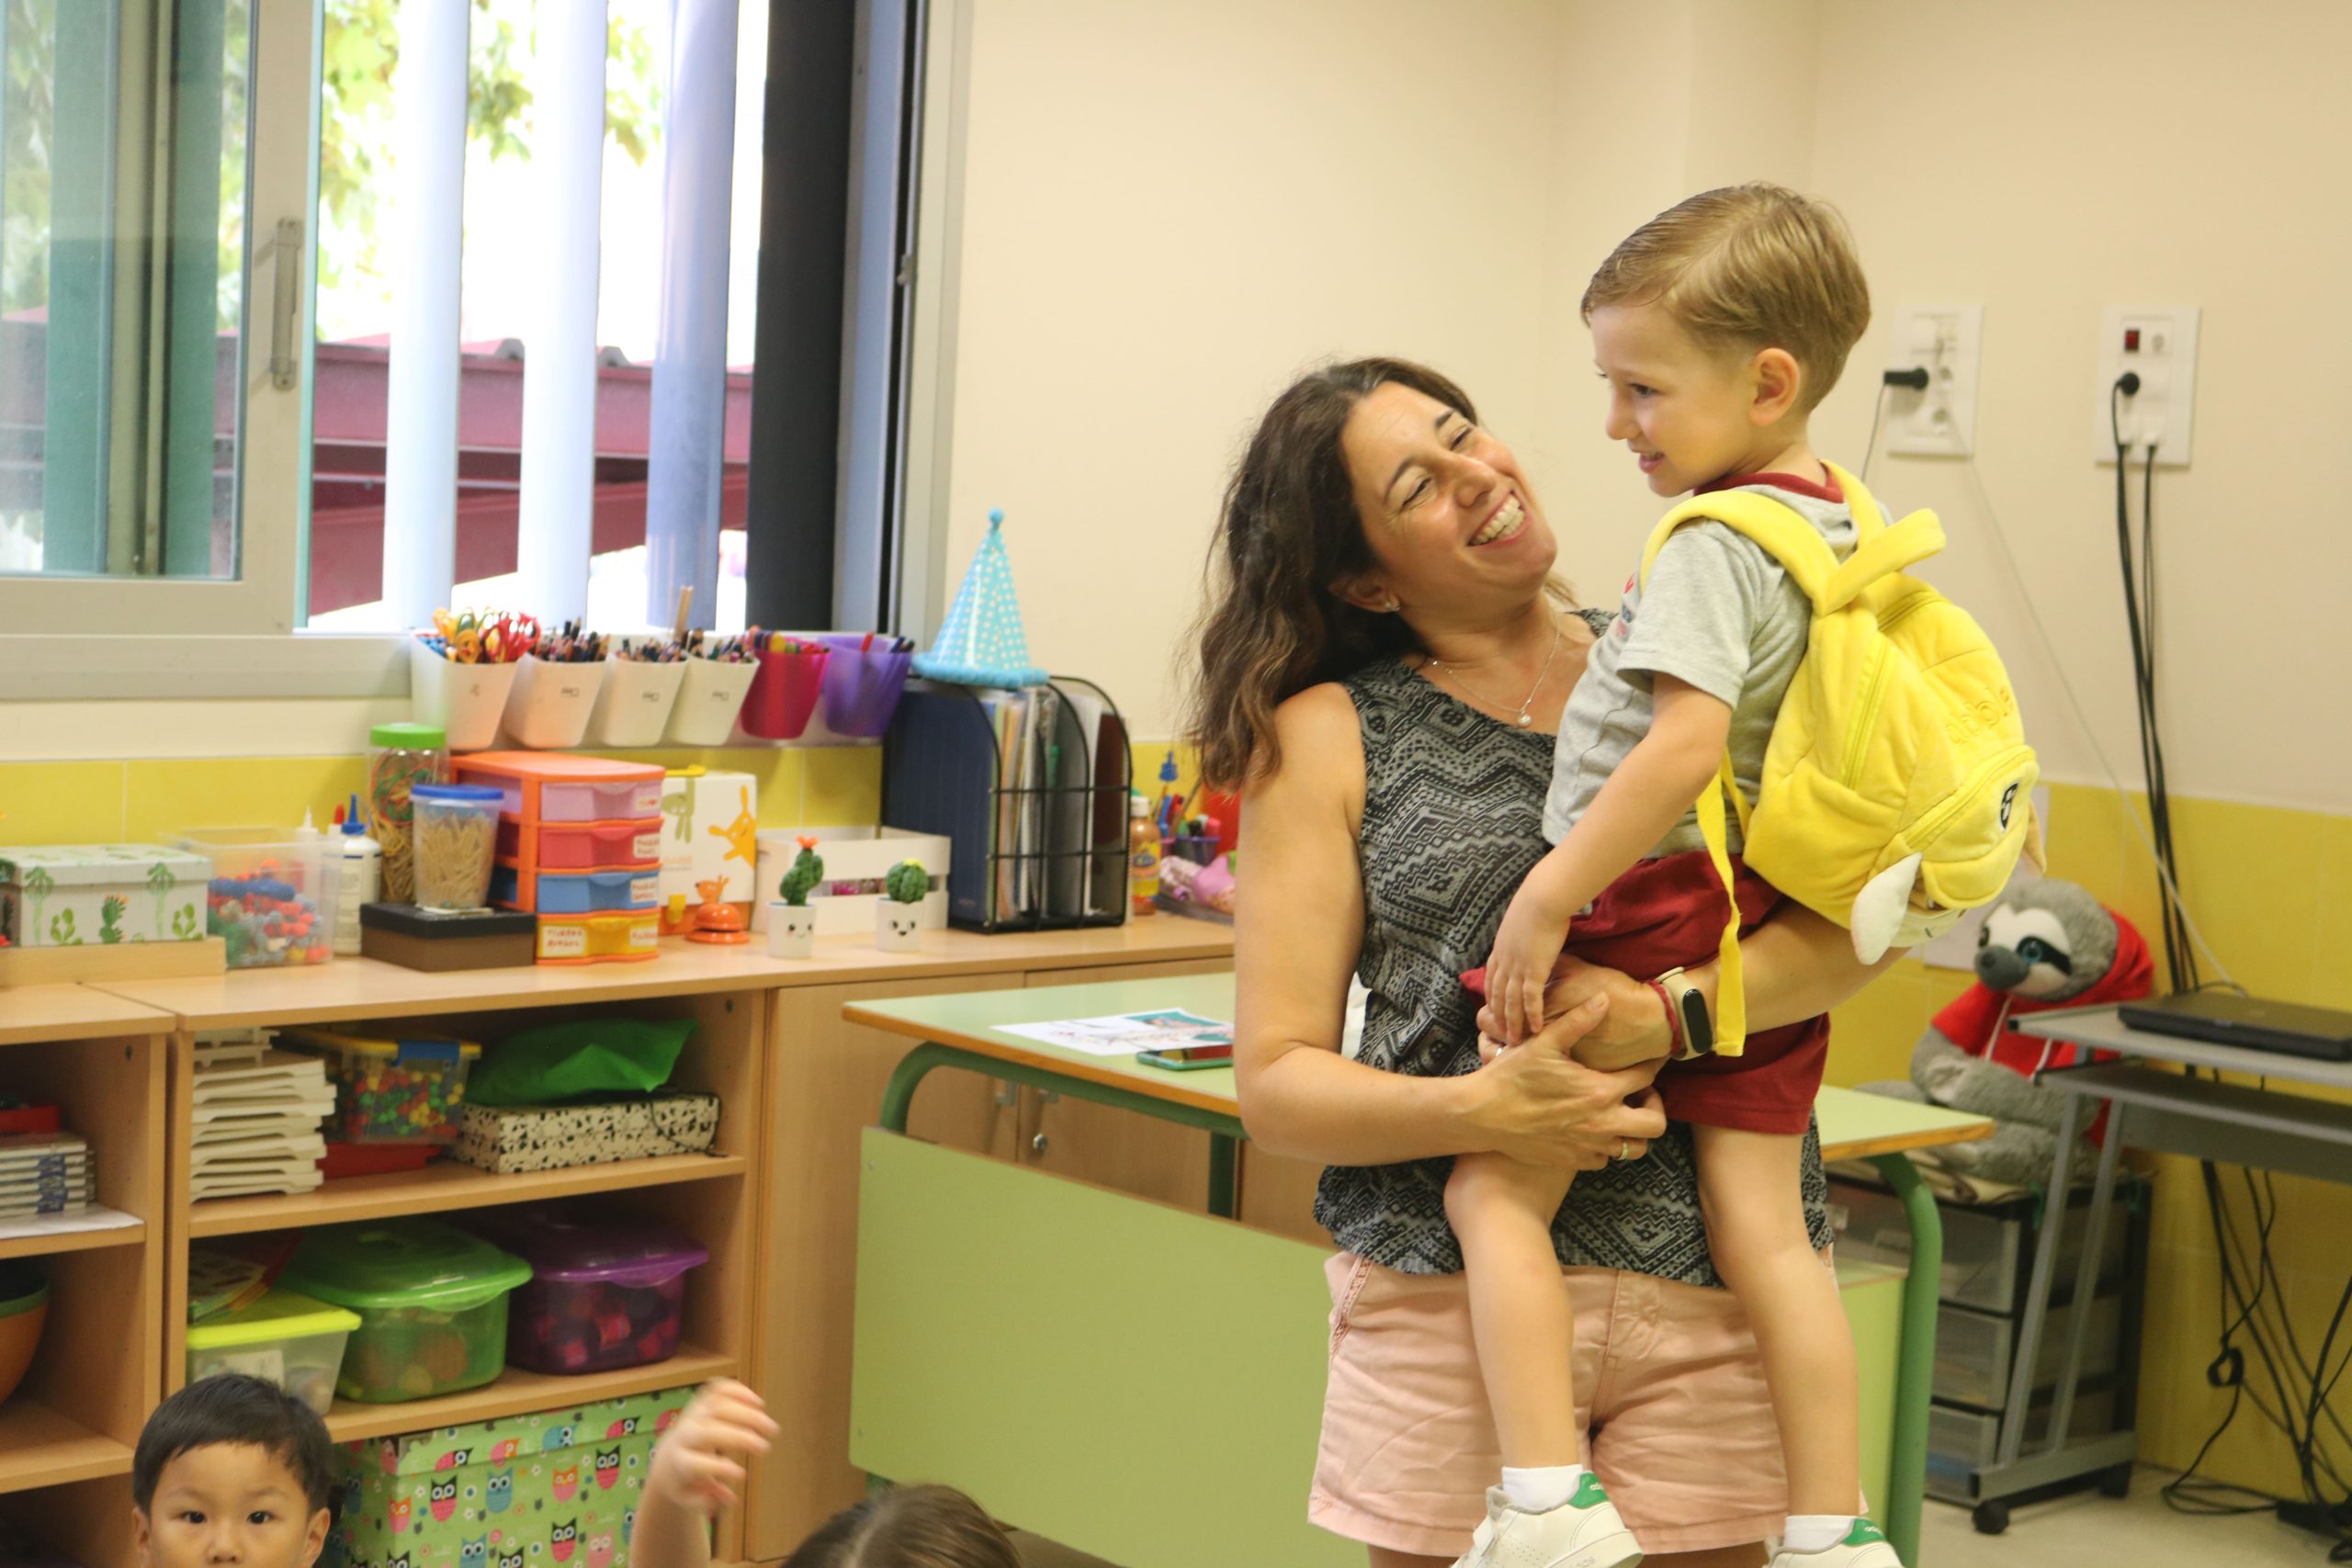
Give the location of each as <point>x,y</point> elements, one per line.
<point>1453,816</point>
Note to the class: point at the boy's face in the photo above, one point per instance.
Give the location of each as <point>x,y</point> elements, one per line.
<point>230,1504</point>
<point>1689,412</point>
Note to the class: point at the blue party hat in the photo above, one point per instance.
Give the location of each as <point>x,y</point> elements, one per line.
<point>981,643</point>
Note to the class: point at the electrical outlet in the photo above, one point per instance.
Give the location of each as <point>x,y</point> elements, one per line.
<point>1940,419</point>
<point>2158,343</point>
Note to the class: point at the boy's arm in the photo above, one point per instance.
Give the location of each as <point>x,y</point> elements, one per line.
<point>1644,798</point>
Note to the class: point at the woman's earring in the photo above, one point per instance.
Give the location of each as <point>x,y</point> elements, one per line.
<point>1392,604</point>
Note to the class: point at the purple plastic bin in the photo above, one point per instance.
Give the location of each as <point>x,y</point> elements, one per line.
<point>605,1291</point>
<point>784,694</point>
<point>863,685</point>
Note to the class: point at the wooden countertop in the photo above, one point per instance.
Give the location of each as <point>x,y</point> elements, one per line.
<point>76,1012</point>
<point>364,988</point>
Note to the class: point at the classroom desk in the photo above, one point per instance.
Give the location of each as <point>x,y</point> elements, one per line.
<point>967,1031</point>
<point>2261,1128</point>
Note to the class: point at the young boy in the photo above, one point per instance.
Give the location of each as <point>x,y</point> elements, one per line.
<point>1719,326</point>
<point>232,1470</point>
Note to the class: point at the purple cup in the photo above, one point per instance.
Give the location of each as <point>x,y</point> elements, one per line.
<point>862,688</point>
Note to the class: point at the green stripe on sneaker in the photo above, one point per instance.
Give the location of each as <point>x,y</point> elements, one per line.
<point>1588,1492</point>
<point>1863,1534</point>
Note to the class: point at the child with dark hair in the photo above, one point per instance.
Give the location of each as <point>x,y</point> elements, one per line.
<point>232,1468</point>
<point>698,1466</point>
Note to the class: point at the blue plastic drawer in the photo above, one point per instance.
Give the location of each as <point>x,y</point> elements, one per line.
<point>579,892</point>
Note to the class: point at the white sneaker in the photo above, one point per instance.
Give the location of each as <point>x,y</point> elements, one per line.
<point>1583,1532</point>
<point>1864,1547</point>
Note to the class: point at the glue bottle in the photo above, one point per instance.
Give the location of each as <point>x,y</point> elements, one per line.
<point>363,865</point>
<point>1143,857</point>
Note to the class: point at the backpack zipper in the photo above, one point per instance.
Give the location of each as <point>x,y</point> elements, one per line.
<point>1903,608</point>
<point>1849,765</point>
<point>1928,829</point>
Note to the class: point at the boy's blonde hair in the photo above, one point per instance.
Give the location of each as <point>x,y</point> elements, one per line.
<point>1747,267</point>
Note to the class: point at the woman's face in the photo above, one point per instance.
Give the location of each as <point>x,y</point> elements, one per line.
<point>1449,517</point>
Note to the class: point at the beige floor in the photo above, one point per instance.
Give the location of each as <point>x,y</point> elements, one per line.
<point>2068,1533</point>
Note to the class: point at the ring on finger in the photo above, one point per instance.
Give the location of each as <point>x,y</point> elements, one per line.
<point>1624,1149</point>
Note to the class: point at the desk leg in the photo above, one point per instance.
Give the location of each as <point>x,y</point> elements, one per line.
<point>1915,1370</point>
<point>1225,1156</point>
<point>2037,1291</point>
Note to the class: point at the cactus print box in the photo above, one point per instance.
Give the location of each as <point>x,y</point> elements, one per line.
<point>554,1490</point>
<point>84,894</point>
<point>506,1139</point>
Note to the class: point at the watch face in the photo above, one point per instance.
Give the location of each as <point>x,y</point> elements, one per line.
<point>1696,1025</point>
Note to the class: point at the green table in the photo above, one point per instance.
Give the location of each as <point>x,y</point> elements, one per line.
<point>1249,1283</point>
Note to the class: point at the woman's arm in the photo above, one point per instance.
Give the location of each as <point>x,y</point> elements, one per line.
<point>1798,965</point>
<point>1299,927</point>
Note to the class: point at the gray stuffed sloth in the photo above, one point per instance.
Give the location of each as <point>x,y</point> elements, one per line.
<point>2046,944</point>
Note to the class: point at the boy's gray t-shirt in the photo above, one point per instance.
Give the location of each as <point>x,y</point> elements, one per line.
<point>1721,614</point>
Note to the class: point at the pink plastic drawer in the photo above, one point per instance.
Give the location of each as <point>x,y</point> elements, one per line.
<point>584,846</point>
<point>581,801</point>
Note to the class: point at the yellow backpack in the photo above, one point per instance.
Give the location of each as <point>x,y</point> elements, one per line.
<point>1898,788</point>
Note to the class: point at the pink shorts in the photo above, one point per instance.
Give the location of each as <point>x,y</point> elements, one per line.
<point>1670,1389</point>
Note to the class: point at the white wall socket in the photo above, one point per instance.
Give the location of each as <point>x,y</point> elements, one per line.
<point>1938,420</point>
<point>2158,342</point>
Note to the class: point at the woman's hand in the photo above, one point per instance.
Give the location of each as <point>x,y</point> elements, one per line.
<point>1539,1105</point>
<point>1633,1030</point>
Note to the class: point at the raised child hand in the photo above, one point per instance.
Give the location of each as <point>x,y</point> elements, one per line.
<point>698,1461</point>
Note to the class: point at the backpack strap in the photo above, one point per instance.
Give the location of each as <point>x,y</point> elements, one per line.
<point>1731,989</point>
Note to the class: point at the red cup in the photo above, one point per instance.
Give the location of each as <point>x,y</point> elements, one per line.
<point>784,694</point>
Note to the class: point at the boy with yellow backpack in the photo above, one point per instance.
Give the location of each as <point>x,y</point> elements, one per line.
<point>1770,649</point>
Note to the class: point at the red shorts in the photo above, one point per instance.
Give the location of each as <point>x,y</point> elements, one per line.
<point>1668,914</point>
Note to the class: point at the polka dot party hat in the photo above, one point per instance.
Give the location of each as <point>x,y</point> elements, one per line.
<point>981,643</point>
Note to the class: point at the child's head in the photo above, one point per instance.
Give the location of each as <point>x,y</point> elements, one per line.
<point>232,1470</point>
<point>909,1527</point>
<point>1720,324</point>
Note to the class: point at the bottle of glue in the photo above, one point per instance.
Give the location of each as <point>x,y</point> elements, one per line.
<point>362,878</point>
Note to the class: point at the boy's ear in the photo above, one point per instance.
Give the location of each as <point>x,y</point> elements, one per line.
<point>142,1530</point>
<point>314,1540</point>
<point>1778,378</point>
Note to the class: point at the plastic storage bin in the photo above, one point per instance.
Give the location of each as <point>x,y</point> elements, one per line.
<point>577,891</point>
<point>582,846</point>
<point>863,679</point>
<point>391,1091</point>
<point>432,1303</point>
<point>1989,1251</point>
<point>456,840</point>
<point>1974,1352</point>
<point>1962,1442</point>
<point>630,936</point>
<point>539,790</point>
<point>287,1339</point>
<point>785,692</point>
<point>604,1293</point>
<point>271,899</point>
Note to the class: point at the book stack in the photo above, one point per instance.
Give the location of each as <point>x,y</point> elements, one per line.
<point>256,1112</point>
<point>45,1173</point>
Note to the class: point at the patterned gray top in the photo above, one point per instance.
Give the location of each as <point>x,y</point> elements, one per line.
<point>1451,822</point>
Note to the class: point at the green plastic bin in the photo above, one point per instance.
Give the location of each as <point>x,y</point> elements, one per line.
<point>431,1300</point>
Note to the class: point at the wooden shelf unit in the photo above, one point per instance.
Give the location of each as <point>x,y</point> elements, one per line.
<point>442,1186</point>
<point>518,1393</point>
<point>73,1241</point>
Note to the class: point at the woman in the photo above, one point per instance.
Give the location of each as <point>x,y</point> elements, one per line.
<point>1383,662</point>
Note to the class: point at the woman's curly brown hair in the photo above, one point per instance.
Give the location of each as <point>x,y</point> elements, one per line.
<point>1272,625</point>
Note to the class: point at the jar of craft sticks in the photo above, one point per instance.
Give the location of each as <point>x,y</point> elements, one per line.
<point>402,756</point>
<point>457,839</point>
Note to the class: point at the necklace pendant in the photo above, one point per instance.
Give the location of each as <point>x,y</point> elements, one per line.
<point>1526,721</point>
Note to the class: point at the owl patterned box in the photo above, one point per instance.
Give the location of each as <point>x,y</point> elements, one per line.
<point>554,1490</point>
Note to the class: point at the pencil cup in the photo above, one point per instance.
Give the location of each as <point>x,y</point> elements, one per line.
<point>863,686</point>
<point>550,706</point>
<point>785,693</point>
<point>792,929</point>
<point>1200,851</point>
<point>709,697</point>
<point>634,704</point>
<point>464,700</point>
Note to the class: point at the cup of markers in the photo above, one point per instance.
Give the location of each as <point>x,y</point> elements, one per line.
<point>863,679</point>
<point>641,679</point>
<point>784,694</point>
<point>719,672</point>
<point>555,689</point>
<point>461,672</point>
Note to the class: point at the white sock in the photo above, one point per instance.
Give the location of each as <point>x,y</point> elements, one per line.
<point>1541,1491</point>
<point>1811,1532</point>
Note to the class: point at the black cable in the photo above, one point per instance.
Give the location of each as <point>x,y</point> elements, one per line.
<point>1878,412</point>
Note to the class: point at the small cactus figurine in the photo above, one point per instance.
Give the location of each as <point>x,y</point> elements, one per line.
<point>801,877</point>
<point>907,883</point>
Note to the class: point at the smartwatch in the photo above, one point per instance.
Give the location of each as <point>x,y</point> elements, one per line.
<point>1690,1008</point>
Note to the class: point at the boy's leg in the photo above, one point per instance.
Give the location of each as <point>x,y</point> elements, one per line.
<point>1520,1316</point>
<point>1748,1187</point>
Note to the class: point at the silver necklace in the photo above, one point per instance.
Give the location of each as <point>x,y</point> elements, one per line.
<point>1525,719</point>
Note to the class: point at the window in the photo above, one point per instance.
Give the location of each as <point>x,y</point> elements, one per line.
<point>296,292</point>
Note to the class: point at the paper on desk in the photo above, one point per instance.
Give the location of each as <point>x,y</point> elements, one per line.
<point>90,1219</point>
<point>1123,1034</point>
